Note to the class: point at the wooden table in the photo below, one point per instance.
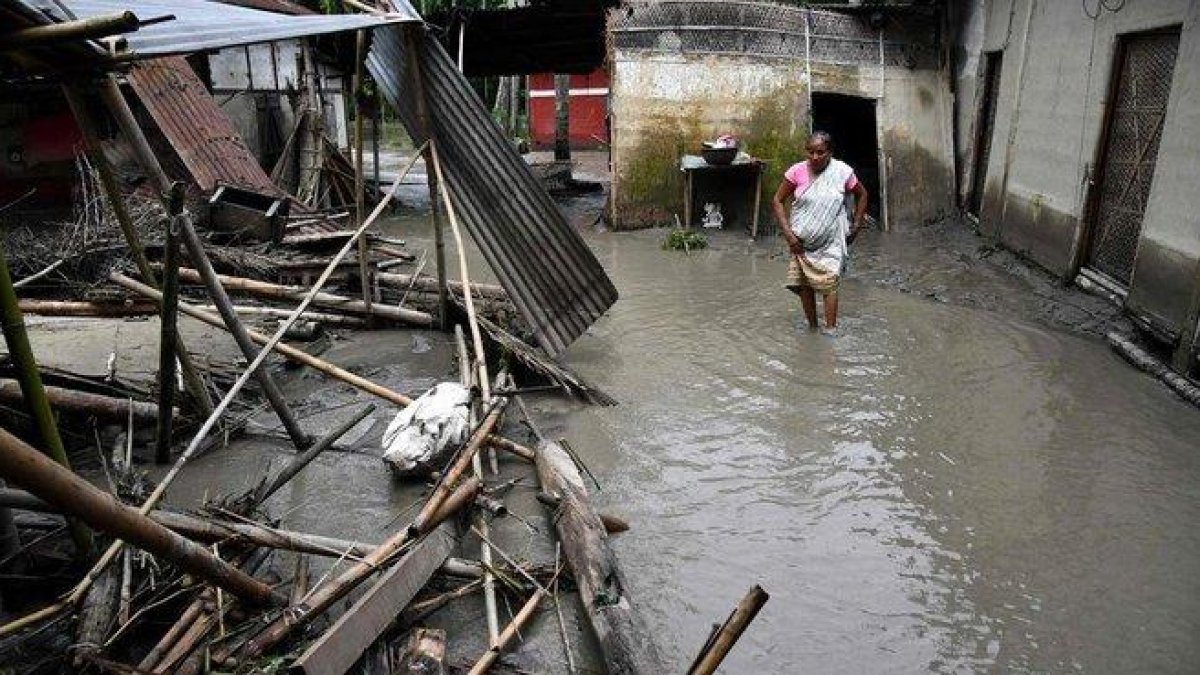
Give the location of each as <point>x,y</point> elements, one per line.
<point>691,165</point>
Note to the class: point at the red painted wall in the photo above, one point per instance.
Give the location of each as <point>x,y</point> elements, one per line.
<point>588,109</point>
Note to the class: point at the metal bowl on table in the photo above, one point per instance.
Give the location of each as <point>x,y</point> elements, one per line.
<point>718,156</point>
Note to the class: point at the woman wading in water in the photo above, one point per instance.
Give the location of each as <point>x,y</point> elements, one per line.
<point>818,230</point>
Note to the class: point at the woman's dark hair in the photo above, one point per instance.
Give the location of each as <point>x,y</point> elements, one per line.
<point>822,136</point>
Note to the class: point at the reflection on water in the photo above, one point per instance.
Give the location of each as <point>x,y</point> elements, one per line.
<point>937,488</point>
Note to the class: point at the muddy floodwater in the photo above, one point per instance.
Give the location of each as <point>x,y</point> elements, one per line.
<point>938,488</point>
<point>955,483</point>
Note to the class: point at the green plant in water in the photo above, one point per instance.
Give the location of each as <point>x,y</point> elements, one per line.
<point>684,240</point>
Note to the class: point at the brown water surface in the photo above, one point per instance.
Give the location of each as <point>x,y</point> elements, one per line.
<point>937,488</point>
<point>940,487</point>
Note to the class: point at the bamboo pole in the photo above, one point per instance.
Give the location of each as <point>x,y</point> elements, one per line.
<point>278,313</point>
<point>363,272</point>
<point>210,531</point>
<point>472,322</point>
<point>33,393</point>
<point>510,631</point>
<point>267,489</point>
<point>168,331</point>
<point>485,551</point>
<point>90,28</point>
<point>717,648</point>
<point>107,407</point>
<point>87,126</point>
<point>132,132</point>
<point>58,486</point>
<point>73,308</point>
<point>279,292</point>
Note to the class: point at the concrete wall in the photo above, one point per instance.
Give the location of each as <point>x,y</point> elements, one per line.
<point>1057,68</point>
<point>687,72</point>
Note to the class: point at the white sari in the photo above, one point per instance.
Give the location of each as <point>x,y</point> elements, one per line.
<point>819,217</point>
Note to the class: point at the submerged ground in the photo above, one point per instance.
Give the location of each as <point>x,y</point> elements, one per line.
<point>965,479</point>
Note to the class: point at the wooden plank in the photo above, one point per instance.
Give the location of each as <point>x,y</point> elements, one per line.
<point>342,645</point>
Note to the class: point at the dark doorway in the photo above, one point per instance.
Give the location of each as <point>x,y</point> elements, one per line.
<point>851,121</point>
<point>1138,98</point>
<point>983,130</point>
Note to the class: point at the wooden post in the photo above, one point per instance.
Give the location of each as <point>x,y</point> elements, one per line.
<point>562,117</point>
<point>87,127</point>
<point>21,354</point>
<point>619,628</point>
<point>168,330</point>
<point>56,485</point>
<point>125,120</point>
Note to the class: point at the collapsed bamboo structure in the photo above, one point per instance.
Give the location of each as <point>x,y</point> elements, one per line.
<point>228,606</point>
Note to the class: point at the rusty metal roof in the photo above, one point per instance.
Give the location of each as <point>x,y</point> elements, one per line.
<point>199,25</point>
<point>201,134</point>
<point>549,272</point>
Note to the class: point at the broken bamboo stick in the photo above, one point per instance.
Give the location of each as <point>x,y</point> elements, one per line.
<point>58,486</point>
<point>168,331</point>
<point>489,657</point>
<point>279,313</point>
<point>208,530</point>
<point>264,289</point>
<point>723,640</point>
<point>267,489</point>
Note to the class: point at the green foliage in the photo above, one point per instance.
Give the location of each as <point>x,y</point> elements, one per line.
<point>684,240</point>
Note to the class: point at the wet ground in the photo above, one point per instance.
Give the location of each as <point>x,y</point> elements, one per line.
<point>964,479</point>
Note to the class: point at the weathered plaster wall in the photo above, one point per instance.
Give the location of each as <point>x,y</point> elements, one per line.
<point>1057,67</point>
<point>913,109</point>
<point>686,72</point>
<point>664,106</point>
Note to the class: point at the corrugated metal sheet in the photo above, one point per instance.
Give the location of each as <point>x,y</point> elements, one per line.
<point>547,269</point>
<point>195,126</point>
<point>200,25</point>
